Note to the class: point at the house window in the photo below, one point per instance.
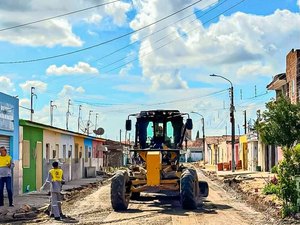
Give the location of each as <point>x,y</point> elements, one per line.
<point>76,153</point>
<point>47,151</point>
<point>90,152</point>
<point>64,151</point>
<point>26,154</point>
<point>70,152</point>
<point>80,152</point>
<point>293,87</point>
<point>86,153</point>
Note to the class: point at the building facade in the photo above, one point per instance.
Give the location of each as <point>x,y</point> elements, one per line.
<point>42,144</point>
<point>9,133</point>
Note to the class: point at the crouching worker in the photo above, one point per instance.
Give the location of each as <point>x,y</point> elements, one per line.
<point>56,180</point>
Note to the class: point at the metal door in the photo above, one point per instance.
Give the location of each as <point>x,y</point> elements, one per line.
<point>4,141</point>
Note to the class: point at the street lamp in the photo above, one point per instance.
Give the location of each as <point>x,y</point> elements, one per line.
<point>203,135</point>
<point>231,119</point>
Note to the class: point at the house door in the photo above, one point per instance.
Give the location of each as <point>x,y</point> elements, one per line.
<point>39,165</point>
<point>4,141</point>
<point>267,158</point>
<point>273,155</point>
<point>245,156</point>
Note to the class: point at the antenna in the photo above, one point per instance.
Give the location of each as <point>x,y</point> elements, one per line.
<point>51,112</point>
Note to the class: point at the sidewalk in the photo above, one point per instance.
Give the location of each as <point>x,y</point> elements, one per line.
<point>27,205</point>
<point>229,173</point>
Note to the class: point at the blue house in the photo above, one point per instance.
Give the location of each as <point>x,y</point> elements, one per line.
<point>9,133</point>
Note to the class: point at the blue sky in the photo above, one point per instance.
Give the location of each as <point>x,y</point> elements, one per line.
<point>164,66</point>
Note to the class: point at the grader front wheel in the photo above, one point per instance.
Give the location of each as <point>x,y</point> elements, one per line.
<point>120,191</point>
<point>187,191</point>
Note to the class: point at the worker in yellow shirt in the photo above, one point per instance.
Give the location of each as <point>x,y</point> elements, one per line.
<point>56,180</point>
<point>5,176</point>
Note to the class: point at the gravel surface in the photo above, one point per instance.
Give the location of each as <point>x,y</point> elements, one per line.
<point>92,206</point>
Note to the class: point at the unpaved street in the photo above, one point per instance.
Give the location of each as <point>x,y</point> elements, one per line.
<point>219,208</point>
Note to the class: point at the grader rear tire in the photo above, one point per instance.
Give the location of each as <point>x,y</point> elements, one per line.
<point>120,191</point>
<point>187,191</point>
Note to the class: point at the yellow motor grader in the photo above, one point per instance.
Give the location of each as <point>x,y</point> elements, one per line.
<point>155,167</point>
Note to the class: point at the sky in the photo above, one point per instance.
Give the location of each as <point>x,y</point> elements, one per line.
<point>122,57</point>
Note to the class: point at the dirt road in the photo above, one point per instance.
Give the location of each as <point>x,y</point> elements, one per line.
<point>219,208</point>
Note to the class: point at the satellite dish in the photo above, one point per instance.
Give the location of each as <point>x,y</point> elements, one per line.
<point>99,131</point>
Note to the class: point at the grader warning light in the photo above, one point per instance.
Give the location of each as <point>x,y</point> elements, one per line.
<point>155,166</point>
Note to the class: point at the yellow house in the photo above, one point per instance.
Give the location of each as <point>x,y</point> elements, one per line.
<point>243,151</point>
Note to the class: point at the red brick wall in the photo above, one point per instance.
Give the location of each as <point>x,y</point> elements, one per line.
<point>292,59</point>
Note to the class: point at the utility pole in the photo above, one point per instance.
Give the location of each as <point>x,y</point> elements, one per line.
<point>78,122</point>
<point>232,127</point>
<point>31,102</point>
<point>203,141</point>
<point>96,121</point>
<point>88,123</point>
<point>68,114</point>
<point>51,112</point>
<point>231,119</point>
<point>245,121</point>
<point>129,139</point>
<point>120,136</point>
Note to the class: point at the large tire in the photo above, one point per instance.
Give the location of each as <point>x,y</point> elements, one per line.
<point>187,191</point>
<point>195,175</point>
<point>120,191</point>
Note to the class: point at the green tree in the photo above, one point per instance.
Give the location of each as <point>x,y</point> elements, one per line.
<point>280,125</point>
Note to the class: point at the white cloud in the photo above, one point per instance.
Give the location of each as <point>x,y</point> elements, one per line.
<point>79,68</point>
<point>255,69</point>
<point>38,85</point>
<point>118,12</point>
<point>51,33</point>
<point>6,85</point>
<point>57,31</point>
<point>168,81</point>
<point>25,102</point>
<point>224,47</point>
<point>70,91</point>
<point>298,2</point>
<point>94,19</point>
<point>124,71</point>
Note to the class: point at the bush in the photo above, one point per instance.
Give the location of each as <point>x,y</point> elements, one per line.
<point>274,169</point>
<point>270,189</point>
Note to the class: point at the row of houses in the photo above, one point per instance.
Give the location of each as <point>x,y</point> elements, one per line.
<point>249,152</point>
<point>34,146</point>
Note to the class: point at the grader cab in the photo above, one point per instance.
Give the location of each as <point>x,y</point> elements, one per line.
<point>155,167</point>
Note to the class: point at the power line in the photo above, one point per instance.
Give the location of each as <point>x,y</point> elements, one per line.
<point>57,16</point>
<point>151,34</point>
<point>137,58</point>
<point>162,38</point>
<point>101,43</point>
<point>163,28</point>
<point>153,104</point>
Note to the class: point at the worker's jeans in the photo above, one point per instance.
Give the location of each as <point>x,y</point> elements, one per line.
<point>7,181</point>
<point>56,199</point>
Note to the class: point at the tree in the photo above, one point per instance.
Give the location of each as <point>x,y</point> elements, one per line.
<point>280,125</point>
